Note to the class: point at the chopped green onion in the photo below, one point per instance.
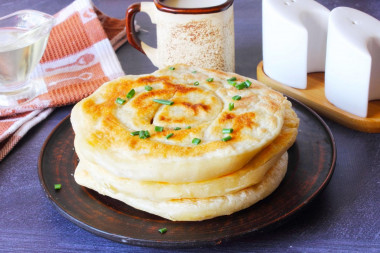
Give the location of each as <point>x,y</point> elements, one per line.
<point>241,86</point>
<point>194,71</point>
<point>169,135</point>
<point>131,93</point>
<point>196,83</point>
<point>163,230</point>
<point>210,79</point>
<point>227,138</point>
<point>231,79</point>
<point>163,101</point>
<point>135,133</point>
<point>148,88</point>
<point>172,68</point>
<point>57,186</point>
<point>233,83</point>
<point>158,128</point>
<point>120,101</point>
<point>227,130</point>
<point>144,134</point>
<point>196,141</point>
<point>231,106</point>
<point>237,97</point>
<point>188,127</point>
<point>177,128</point>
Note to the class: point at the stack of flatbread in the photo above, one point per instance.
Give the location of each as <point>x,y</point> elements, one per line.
<point>184,143</point>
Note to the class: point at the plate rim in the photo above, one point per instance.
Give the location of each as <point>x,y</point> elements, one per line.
<point>188,243</point>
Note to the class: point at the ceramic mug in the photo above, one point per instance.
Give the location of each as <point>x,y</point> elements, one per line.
<point>194,32</point>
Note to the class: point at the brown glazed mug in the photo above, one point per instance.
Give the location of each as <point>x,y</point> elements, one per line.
<point>195,32</point>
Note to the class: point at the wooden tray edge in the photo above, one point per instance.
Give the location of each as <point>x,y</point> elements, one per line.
<point>321,105</point>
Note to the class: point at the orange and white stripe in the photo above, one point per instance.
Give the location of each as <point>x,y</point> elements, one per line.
<point>78,59</point>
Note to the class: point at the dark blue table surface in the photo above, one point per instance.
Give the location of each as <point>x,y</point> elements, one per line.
<point>345,217</point>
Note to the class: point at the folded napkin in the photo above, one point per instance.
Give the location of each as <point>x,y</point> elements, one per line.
<point>79,57</point>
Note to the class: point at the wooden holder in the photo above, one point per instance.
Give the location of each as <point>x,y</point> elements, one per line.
<point>314,97</point>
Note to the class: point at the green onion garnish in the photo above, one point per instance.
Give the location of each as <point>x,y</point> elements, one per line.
<point>144,134</point>
<point>231,79</point>
<point>210,79</point>
<point>241,86</point>
<point>231,106</point>
<point>172,68</point>
<point>135,133</point>
<point>227,130</point>
<point>158,128</point>
<point>237,97</point>
<point>177,128</point>
<point>120,101</point>
<point>196,83</point>
<point>131,93</point>
<point>188,127</point>
<point>57,186</point>
<point>227,138</point>
<point>169,135</point>
<point>148,88</point>
<point>233,83</point>
<point>196,141</point>
<point>194,71</point>
<point>163,230</point>
<point>163,101</point>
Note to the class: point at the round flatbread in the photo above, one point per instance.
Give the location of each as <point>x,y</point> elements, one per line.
<point>197,209</point>
<point>203,105</point>
<point>251,173</point>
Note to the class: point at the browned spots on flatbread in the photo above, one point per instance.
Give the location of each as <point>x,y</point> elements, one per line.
<point>152,79</point>
<point>195,106</point>
<point>172,120</point>
<point>246,120</point>
<point>226,116</point>
<point>145,100</point>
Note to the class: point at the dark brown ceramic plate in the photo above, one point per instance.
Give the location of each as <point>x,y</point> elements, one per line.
<point>311,165</point>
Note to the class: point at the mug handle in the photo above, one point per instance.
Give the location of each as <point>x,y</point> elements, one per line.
<point>130,26</point>
<point>150,9</point>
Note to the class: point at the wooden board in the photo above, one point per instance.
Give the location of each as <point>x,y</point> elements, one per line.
<point>314,97</point>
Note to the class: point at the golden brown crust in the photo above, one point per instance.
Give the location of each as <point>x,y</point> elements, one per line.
<point>252,173</point>
<point>103,127</point>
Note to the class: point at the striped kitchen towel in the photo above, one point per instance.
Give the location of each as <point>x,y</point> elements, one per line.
<point>79,57</point>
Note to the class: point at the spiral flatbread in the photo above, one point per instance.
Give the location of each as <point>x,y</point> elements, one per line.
<point>250,174</point>
<point>103,128</point>
<point>184,143</point>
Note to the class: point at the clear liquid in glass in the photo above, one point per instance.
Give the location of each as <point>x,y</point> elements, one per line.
<point>19,55</point>
<point>23,38</point>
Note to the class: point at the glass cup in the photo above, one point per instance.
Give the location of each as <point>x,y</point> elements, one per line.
<point>24,35</point>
